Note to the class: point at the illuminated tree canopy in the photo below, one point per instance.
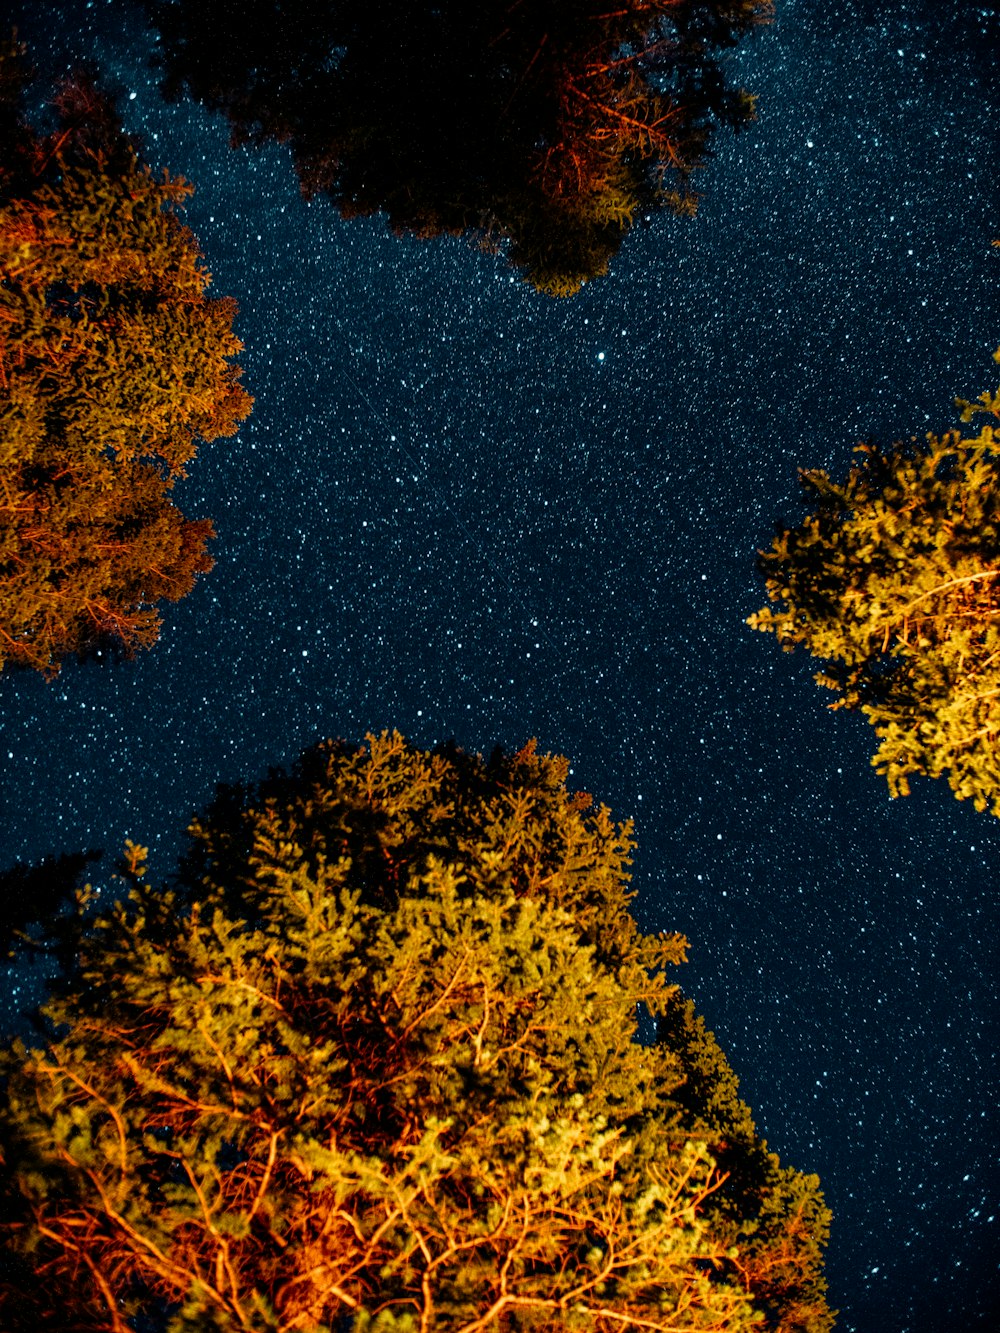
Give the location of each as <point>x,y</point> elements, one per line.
<point>894,583</point>
<point>545,128</point>
<point>113,365</point>
<point>373,1064</point>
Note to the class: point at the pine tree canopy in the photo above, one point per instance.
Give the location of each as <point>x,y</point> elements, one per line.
<point>543,127</point>
<point>372,1064</point>
<point>113,365</point>
<point>894,583</point>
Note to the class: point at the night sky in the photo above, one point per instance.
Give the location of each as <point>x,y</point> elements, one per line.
<point>463,509</point>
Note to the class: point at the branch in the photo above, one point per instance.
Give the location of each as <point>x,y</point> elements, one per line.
<point>265,1181</point>
<point>92,1092</point>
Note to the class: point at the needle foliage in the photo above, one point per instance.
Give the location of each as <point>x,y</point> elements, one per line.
<point>373,1065</point>
<point>545,128</point>
<point>893,582</point>
<point>114,364</point>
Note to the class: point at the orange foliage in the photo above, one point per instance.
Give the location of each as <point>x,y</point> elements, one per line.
<point>114,364</point>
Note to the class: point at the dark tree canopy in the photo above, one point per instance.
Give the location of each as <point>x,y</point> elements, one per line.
<point>372,1064</point>
<point>893,581</point>
<point>542,126</point>
<point>32,893</point>
<point>113,365</point>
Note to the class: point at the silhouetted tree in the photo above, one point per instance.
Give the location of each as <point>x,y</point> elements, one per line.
<point>894,582</point>
<point>113,364</point>
<point>543,126</point>
<point>373,1066</point>
<point>31,893</point>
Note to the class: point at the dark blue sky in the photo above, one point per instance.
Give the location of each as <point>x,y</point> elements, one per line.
<point>465,510</point>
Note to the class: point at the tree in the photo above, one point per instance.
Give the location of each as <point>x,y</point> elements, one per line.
<point>372,1064</point>
<point>30,893</point>
<point>894,583</point>
<point>545,128</point>
<point>113,365</point>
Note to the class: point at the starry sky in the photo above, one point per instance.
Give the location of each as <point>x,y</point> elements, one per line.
<point>466,510</point>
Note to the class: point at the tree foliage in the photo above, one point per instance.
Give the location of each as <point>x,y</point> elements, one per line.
<point>113,365</point>
<point>894,583</point>
<point>372,1064</point>
<point>546,127</point>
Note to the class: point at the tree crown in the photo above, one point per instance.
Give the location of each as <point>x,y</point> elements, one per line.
<point>893,581</point>
<point>373,1062</point>
<point>114,365</point>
